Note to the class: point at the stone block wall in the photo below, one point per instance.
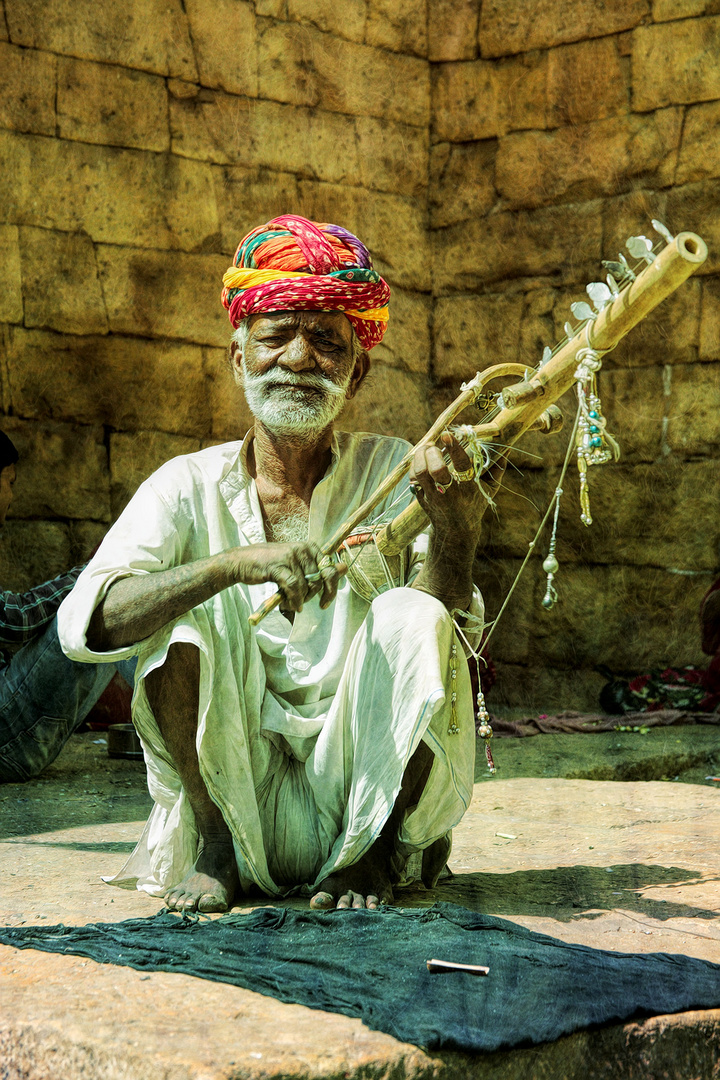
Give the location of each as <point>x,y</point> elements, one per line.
<point>138,144</point>
<point>490,154</point>
<point>559,129</point>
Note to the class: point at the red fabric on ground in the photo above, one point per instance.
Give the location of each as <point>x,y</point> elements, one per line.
<point>589,722</point>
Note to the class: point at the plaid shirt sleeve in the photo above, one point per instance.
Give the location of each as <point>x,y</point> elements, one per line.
<point>24,615</point>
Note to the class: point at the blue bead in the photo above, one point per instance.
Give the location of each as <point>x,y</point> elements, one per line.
<point>594,428</point>
<point>594,414</point>
<point>596,441</point>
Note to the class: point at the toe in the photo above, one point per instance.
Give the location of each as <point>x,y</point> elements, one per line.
<point>372,902</point>
<point>345,901</point>
<point>358,900</point>
<point>209,902</point>
<point>322,901</point>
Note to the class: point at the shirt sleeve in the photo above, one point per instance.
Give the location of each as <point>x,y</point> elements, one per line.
<point>145,538</point>
<point>24,615</point>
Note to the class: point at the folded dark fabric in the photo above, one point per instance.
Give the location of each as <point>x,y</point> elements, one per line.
<point>372,964</point>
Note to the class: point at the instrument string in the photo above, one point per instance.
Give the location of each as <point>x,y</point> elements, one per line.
<point>541,526</point>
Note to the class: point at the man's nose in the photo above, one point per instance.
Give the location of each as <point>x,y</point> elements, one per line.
<point>297,355</point>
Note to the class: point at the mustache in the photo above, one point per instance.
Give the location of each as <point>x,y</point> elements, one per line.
<point>280,377</point>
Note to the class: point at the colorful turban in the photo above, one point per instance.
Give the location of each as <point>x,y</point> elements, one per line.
<point>292,264</point>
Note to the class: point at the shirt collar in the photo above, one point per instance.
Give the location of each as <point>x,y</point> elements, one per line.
<point>239,490</point>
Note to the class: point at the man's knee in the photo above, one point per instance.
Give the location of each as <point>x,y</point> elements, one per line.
<point>177,677</point>
<point>407,616</point>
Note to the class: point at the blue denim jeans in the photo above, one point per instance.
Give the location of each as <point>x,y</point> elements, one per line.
<point>44,697</point>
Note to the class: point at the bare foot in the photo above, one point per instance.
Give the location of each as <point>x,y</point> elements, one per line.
<point>211,884</point>
<point>366,884</point>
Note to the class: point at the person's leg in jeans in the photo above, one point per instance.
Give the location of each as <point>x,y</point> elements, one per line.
<point>44,697</point>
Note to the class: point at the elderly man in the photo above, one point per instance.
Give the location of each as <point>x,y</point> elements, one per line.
<point>327,745</point>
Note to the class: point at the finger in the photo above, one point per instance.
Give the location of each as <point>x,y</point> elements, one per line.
<point>307,559</point>
<point>437,467</point>
<point>419,471</point>
<point>330,579</point>
<point>416,490</point>
<point>430,470</point>
<point>457,453</point>
<point>292,585</point>
<point>311,573</point>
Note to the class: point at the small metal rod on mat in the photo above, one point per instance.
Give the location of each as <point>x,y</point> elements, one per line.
<point>441,967</point>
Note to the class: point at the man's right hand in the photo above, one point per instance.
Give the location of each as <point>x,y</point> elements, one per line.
<point>298,570</point>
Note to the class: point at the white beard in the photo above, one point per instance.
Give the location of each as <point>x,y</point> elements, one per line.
<point>283,411</point>
<point>289,530</point>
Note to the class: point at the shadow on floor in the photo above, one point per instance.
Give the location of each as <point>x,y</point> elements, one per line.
<point>564,893</point>
<point>108,846</point>
<point>20,817</point>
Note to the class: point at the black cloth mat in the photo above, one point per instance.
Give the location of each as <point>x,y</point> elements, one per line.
<point>371,964</point>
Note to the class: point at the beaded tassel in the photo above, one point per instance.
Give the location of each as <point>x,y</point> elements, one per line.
<point>595,445</point>
<point>551,565</point>
<point>453,728</point>
<point>484,728</point>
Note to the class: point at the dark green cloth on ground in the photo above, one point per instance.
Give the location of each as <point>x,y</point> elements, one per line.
<point>371,964</point>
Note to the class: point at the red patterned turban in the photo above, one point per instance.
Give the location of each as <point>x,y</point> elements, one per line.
<point>292,264</point>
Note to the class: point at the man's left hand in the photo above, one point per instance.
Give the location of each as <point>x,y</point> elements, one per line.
<point>455,506</point>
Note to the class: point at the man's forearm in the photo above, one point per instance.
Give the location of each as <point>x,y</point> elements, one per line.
<point>138,605</point>
<point>447,573</point>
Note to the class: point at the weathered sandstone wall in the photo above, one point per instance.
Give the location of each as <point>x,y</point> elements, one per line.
<point>560,129</point>
<point>138,143</point>
<point>489,155</point>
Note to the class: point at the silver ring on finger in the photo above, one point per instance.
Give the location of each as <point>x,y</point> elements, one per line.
<point>312,578</point>
<point>466,474</point>
<point>416,489</point>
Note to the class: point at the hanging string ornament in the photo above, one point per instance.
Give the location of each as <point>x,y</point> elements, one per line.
<point>466,623</point>
<point>595,444</point>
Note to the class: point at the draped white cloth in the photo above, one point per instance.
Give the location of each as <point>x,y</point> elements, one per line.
<point>305,728</point>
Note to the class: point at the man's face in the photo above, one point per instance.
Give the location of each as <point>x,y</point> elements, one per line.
<point>7,479</point>
<point>297,369</point>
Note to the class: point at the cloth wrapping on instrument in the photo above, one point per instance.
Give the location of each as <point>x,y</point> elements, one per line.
<point>372,964</point>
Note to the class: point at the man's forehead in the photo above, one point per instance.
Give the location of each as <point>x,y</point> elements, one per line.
<point>335,321</point>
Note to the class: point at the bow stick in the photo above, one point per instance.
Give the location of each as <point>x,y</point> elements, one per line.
<point>524,402</point>
<point>525,405</point>
<point>470,392</point>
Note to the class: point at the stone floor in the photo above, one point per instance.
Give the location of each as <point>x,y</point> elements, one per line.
<point>607,840</point>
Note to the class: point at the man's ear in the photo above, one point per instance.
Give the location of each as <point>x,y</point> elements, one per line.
<point>362,366</point>
<point>235,362</point>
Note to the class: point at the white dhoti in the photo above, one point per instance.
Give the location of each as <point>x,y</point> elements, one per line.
<point>304,729</point>
<point>300,807</point>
